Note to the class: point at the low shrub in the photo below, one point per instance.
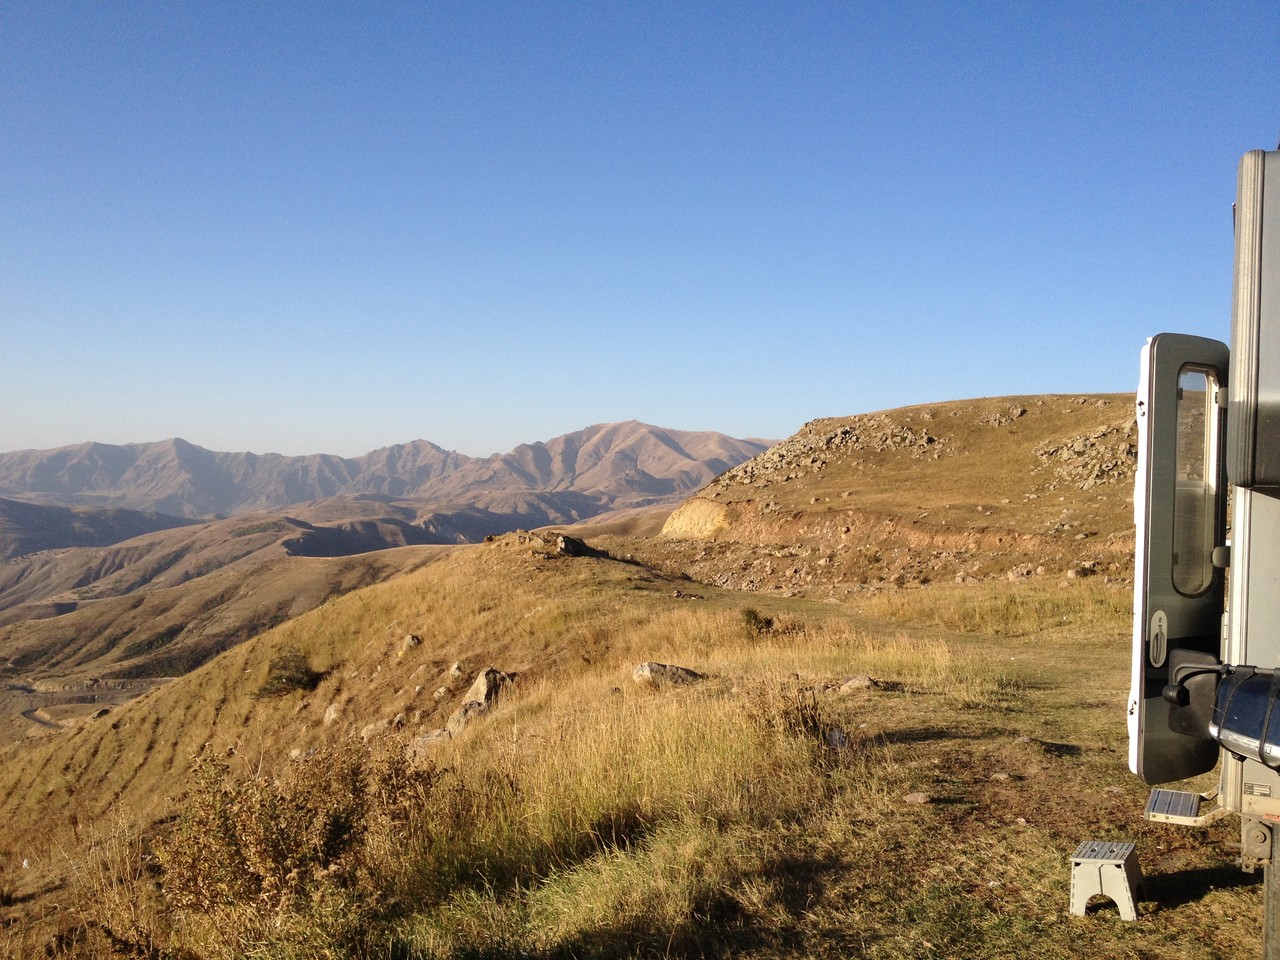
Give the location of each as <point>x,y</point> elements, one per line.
<point>307,855</point>
<point>288,671</point>
<point>756,622</point>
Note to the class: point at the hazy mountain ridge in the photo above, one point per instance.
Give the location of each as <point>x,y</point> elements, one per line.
<point>27,527</point>
<point>87,567</point>
<point>627,462</point>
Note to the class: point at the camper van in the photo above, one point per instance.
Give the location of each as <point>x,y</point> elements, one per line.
<point>1205,688</point>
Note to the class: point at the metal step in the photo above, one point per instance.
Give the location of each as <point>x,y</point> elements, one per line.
<point>1183,807</point>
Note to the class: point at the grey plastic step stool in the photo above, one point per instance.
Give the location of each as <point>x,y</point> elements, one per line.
<point>1100,868</point>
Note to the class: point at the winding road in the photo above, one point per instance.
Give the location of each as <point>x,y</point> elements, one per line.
<point>31,715</point>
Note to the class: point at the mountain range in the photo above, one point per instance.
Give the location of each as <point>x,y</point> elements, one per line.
<point>900,624</point>
<point>602,467</point>
<point>147,559</point>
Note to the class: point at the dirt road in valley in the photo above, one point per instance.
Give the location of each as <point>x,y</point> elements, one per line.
<point>33,716</point>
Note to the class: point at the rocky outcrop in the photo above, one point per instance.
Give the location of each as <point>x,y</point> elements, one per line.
<point>1108,455</point>
<point>820,441</point>
<point>652,674</point>
<point>479,700</point>
<point>546,544</point>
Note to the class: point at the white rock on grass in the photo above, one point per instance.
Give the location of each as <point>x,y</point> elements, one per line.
<point>479,699</point>
<point>655,674</point>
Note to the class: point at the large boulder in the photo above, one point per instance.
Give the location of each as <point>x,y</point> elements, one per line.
<point>652,674</point>
<point>479,699</point>
<point>418,750</point>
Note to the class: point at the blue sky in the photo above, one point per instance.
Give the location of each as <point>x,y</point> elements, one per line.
<point>304,228</point>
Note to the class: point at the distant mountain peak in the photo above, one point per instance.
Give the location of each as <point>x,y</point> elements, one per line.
<point>609,463</point>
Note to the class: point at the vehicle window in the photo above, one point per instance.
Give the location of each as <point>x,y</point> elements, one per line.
<point>1195,497</point>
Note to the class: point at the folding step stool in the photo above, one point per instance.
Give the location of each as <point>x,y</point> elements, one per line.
<point>1100,868</point>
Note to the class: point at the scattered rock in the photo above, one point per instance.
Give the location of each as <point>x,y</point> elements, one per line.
<point>486,687</point>
<point>331,714</point>
<point>418,749</point>
<point>659,674</point>
<point>1108,455</point>
<point>464,715</point>
<point>410,641</point>
<point>856,683</point>
<point>916,798</point>
<point>483,694</point>
<point>864,682</point>
<point>572,547</point>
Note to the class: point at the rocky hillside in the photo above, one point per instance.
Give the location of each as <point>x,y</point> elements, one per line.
<point>1007,487</point>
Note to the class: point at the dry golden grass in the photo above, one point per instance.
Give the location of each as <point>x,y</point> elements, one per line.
<point>760,812</point>
<point>1008,484</point>
<point>1020,608</point>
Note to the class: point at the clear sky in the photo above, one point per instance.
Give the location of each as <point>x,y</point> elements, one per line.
<point>323,227</point>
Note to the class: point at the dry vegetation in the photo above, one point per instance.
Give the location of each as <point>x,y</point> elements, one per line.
<point>903,773</point>
<point>969,490</point>
<point>760,812</point>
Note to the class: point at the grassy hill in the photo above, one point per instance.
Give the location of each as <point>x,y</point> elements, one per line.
<point>1020,487</point>
<point>870,765</point>
<point>163,603</point>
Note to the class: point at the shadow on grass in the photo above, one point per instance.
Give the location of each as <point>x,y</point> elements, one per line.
<point>925,734</point>
<point>505,875</point>
<point>716,928</point>
<point>1057,749</point>
<point>1188,886</point>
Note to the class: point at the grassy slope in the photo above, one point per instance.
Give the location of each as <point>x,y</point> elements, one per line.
<point>969,489</point>
<point>733,830</point>
<point>759,813</point>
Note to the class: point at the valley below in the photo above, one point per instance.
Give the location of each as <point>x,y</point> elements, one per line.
<point>98,584</point>
<point>859,693</point>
